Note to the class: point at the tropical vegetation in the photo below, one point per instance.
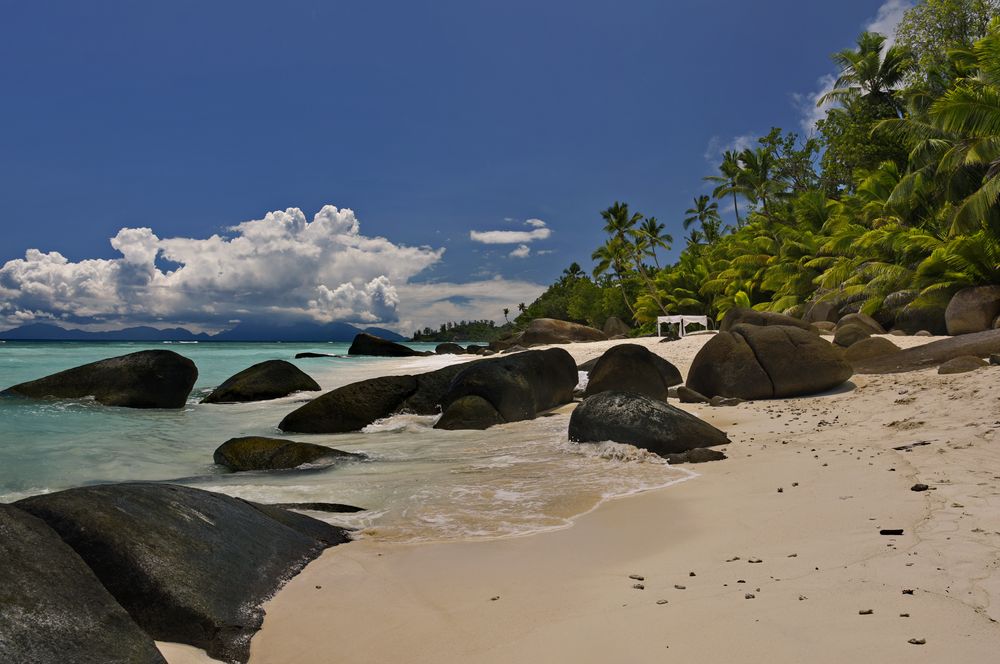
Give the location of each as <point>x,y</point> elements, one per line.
<point>893,203</point>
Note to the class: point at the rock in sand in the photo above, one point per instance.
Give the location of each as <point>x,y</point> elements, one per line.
<point>633,368</point>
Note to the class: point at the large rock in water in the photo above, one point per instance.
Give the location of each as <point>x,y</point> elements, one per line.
<point>518,387</point>
<point>741,316</point>
<point>754,362</point>
<point>267,380</point>
<point>552,331</point>
<point>973,310</point>
<point>927,356</point>
<point>261,453</point>
<point>147,379</point>
<point>633,368</point>
<point>369,344</point>
<point>189,566</point>
<point>53,610</point>
<point>636,419</point>
<point>355,406</point>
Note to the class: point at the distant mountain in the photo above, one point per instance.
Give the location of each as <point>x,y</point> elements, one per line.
<point>249,331</point>
<point>47,332</point>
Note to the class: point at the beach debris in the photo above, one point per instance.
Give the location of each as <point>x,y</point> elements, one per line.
<point>907,591</point>
<point>680,587</point>
<point>319,587</point>
<point>904,615</point>
<point>692,574</point>
<point>749,596</point>
<point>733,559</point>
<point>891,531</point>
<point>917,642</point>
<point>494,598</point>
<point>755,560</point>
<point>795,483</point>
<point>637,577</point>
<point>910,446</point>
<point>780,490</point>
<point>802,597</point>
<point>866,612</point>
<point>793,555</point>
<point>639,586</point>
<point>661,601</point>
<point>919,487</point>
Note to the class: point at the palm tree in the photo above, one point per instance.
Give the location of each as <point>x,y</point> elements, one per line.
<point>649,236</point>
<point>758,179</point>
<point>870,72</point>
<point>729,181</point>
<point>506,311</point>
<point>612,256</point>
<point>521,307</point>
<point>705,214</point>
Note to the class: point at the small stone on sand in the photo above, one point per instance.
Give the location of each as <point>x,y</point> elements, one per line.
<point>917,642</point>
<point>866,612</point>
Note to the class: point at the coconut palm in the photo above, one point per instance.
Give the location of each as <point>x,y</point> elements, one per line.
<point>728,183</point>
<point>705,213</point>
<point>870,72</point>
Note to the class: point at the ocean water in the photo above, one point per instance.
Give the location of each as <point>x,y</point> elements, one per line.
<point>418,483</point>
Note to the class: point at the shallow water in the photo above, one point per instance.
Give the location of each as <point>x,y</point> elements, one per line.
<point>418,483</point>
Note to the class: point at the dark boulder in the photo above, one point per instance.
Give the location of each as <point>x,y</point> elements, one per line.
<point>272,379</point>
<point>925,313</point>
<point>351,407</point>
<point>724,402</point>
<point>147,379</point>
<point>754,362</point>
<point>53,610</point>
<point>850,334</point>
<point>475,349</point>
<point>927,356</point>
<point>636,419</point>
<point>355,406</point>
<point>741,316</point>
<point>687,395</point>
<point>189,566</point>
<point>309,355</point>
<point>963,364</point>
<point>869,348</point>
<point>615,326</point>
<point>369,344</point>
<point>823,311</point>
<point>588,366</point>
<point>449,349</point>
<point>862,320</point>
<point>552,331</point>
<point>697,455</point>
<point>331,508</point>
<point>260,453</point>
<point>973,310</point>
<point>518,386</point>
<point>633,368</point>
<point>825,327</point>
<point>469,412</point>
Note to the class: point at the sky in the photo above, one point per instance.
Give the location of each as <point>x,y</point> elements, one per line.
<point>392,162</point>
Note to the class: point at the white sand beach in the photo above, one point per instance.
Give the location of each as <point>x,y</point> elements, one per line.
<point>773,555</point>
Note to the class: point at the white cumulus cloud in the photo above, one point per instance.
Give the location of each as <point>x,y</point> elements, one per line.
<point>540,231</point>
<point>283,265</point>
<point>522,251</point>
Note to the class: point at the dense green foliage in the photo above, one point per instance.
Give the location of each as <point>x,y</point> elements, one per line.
<point>472,330</point>
<point>897,197</point>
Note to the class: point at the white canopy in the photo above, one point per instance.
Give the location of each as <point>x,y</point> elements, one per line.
<point>680,321</point>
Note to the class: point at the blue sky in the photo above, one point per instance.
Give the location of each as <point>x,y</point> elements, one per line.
<point>430,121</point>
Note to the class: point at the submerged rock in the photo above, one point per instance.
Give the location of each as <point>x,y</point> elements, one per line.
<point>271,379</point>
<point>260,453</point>
<point>697,455</point>
<point>189,566</point>
<point>469,412</point>
<point>147,379</point>
<point>369,344</point>
<point>754,362</point>
<point>351,407</point>
<point>449,349</point>
<point>309,355</point>
<point>639,420</point>
<point>633,368</point>
<point>53,610</point>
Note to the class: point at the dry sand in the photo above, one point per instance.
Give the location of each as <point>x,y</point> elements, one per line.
<point>768,556</point>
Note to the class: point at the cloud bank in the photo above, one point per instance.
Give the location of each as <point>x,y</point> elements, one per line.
<point>283,266</point>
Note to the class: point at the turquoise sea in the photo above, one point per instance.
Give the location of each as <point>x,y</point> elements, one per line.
<point>419,483</point>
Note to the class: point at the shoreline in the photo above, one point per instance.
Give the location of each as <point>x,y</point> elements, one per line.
<point>566,595</point>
